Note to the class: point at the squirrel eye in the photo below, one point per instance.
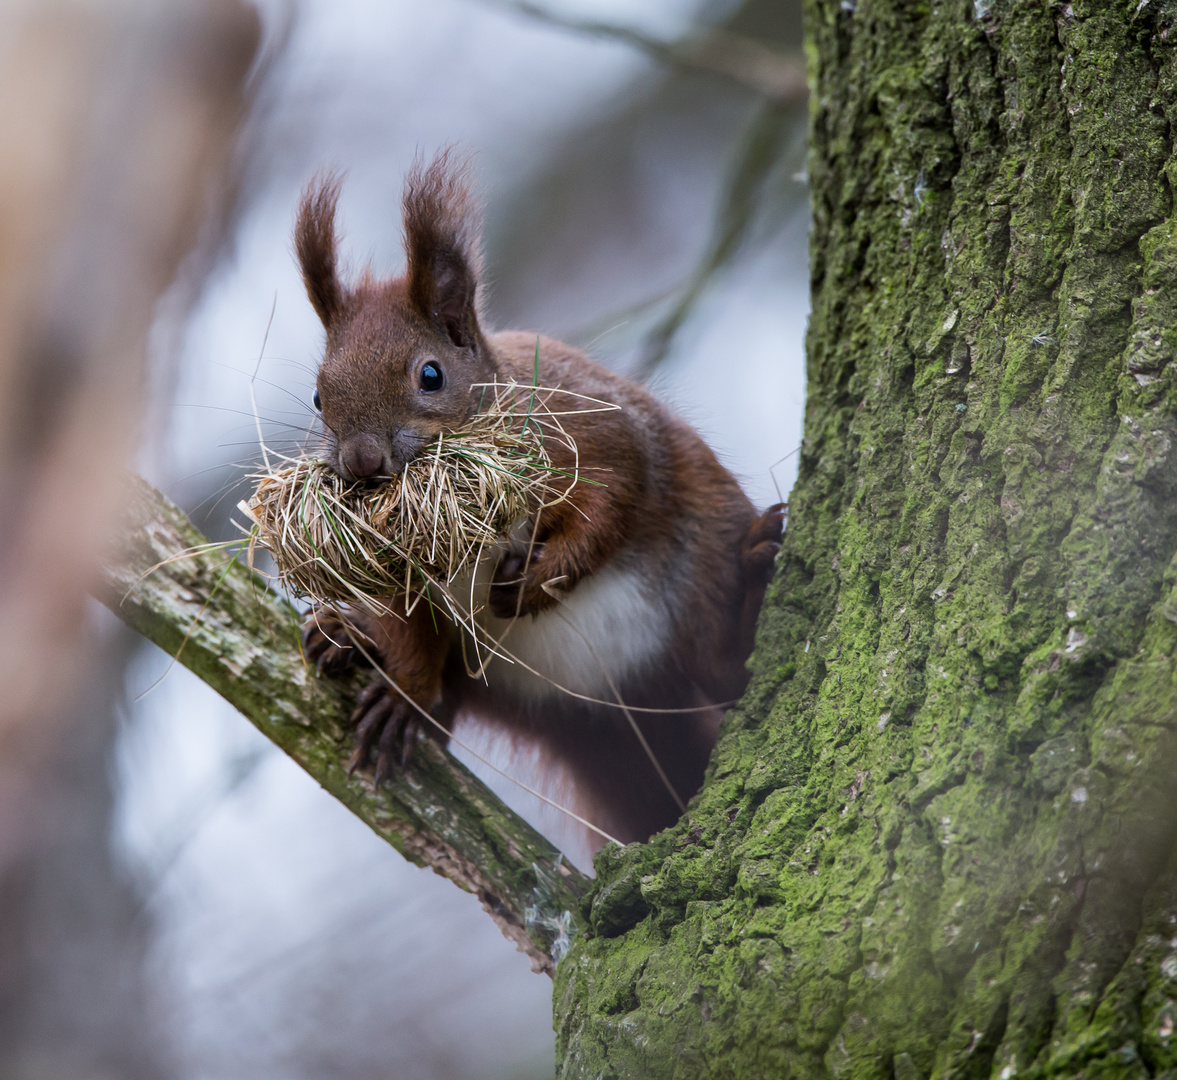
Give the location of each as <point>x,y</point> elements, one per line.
<point>432,379</point>
<point>317,401</point>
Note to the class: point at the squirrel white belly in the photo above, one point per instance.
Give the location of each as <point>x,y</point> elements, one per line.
<point>607,630</point>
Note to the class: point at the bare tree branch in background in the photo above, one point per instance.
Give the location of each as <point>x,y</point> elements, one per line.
<point>223,623</point>
<point>742,60</point>
<point>117,122</point>
<point>758,152</point>
<point>772,136</point>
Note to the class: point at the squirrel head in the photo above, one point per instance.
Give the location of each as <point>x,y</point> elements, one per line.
<point>403,354</point>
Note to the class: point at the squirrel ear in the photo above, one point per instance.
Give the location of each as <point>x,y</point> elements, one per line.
<point>314,241</point>
<point>441,241</point>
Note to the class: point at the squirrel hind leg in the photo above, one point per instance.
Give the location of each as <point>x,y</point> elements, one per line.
<point>393,711</point>
<point>617,786</point>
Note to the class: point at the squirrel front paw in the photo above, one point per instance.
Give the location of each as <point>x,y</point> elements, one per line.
<point>518,584</point>
<point>328,640</point>
<point>387,723</point>
<point>761,544</point>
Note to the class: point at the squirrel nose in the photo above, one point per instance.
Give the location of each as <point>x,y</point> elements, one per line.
<point>362,456</point>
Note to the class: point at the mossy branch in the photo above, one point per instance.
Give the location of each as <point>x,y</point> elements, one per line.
<point>224,624</point>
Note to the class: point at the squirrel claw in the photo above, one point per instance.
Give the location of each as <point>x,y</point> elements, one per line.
<point>511,586</point>
<point>384,723</point>
<point>326,642</point>
<point>373,709</point>
<point>397,740</point>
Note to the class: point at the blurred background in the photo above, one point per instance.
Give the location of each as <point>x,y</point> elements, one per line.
<point>178,900</point>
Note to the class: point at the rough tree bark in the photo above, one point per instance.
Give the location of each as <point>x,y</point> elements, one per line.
<point>937,837</point>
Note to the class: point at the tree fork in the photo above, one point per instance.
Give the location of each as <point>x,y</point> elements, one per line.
<point>937,838</point>
<point>198,603</point>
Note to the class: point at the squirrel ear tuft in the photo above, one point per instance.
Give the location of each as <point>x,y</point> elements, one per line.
<point>315,241</point>
<point>441,241</point>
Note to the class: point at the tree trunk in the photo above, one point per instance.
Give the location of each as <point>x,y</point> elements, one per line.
<point>937,837</point>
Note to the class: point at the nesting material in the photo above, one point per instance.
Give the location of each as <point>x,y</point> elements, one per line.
<point>335,542</point>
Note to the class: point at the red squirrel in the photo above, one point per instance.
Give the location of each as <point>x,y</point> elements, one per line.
<point>645,584</point>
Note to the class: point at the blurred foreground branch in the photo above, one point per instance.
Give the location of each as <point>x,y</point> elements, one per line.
<point>118,123</point>
<point>241,638</point>
<point>740,59</point>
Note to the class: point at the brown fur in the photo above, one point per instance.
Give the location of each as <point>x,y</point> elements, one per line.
<point>663,508</point>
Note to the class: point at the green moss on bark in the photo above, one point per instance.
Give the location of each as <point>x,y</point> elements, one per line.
<point>937,837</point>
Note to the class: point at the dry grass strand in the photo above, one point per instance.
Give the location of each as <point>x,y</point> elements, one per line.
<point>386,547</point>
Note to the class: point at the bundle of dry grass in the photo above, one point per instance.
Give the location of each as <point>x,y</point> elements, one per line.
<point>335,542</point>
